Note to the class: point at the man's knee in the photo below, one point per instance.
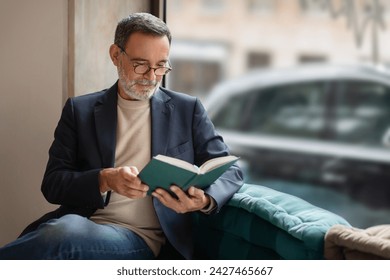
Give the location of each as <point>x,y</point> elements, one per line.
<point>68,226</point>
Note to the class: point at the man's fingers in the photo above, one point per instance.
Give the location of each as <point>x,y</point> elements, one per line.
<point>135,193</point>
<point>181,195</point>
<point>195,192</point>
<point>134,170</point>
<point>194,199</point>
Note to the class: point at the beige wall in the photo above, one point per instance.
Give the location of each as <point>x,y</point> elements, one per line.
<point>34,83</point>
<point>93,33</point>
<point>32,48</point>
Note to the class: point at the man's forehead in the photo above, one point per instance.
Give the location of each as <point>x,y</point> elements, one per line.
<point>148,47</point>
<point>139,37</point>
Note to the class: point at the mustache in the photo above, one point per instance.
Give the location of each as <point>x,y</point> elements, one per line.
<point>144,82</point>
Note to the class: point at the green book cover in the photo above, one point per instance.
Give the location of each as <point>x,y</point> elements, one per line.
<point>163,171</point>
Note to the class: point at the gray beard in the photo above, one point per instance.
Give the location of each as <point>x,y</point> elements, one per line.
<point>136,95</point>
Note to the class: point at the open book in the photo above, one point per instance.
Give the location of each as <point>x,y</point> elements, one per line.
<point>163,171</point>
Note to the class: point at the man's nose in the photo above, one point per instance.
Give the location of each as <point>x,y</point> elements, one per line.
<point>150,75</point>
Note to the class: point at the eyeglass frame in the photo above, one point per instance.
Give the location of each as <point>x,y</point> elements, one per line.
<point>168,68</point>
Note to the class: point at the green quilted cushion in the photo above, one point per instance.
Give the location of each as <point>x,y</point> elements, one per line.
<point>261,223</point>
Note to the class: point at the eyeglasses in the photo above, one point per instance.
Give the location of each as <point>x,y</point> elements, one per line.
<point>143,68</point>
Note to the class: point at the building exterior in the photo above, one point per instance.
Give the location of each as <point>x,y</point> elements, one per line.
<point>216,40</point>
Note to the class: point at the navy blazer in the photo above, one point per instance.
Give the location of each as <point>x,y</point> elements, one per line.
<point>84,143</point>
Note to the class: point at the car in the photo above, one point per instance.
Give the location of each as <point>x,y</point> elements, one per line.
<point>317,131</point>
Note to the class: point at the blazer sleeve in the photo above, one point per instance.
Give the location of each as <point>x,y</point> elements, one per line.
<point>209,144</point>
<point>63,182</point>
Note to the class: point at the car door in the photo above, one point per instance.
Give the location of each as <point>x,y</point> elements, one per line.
<point>360,120</point>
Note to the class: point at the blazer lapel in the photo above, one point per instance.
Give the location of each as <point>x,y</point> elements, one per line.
<point>177,227</point>
<point>106,122</point>
<point>161,111</point>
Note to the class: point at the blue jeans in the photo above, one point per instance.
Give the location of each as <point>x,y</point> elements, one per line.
<point>76,237</point>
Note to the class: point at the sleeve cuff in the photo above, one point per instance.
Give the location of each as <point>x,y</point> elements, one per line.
<point>210,208</point>
<point>105,197</point>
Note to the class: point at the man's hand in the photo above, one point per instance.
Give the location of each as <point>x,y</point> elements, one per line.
<point>195,199</point>
<point>122,180</point>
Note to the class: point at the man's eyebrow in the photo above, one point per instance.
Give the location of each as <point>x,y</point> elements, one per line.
<point>139,59</point>
<point>143,60</point>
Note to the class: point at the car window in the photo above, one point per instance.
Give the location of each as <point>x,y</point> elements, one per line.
<point>294,110</point>
<point>361,114</point>
<point>235,111</point>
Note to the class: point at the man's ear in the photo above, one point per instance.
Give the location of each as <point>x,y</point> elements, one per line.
<point>114,54</point>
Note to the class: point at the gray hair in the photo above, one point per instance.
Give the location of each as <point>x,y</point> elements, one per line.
<point>140,22</point>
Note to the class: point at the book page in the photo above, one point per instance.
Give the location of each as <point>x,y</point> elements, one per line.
<point>178,162</point>
<point>215,162</point>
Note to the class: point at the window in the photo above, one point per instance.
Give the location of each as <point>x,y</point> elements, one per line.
<point>261,7</point>
<point>194,77</point>
<point>197,67</point>
<point>213,7</point>
<point>235,112</point>
<point>314,7</point>
<point>361,114</point>
<point>258,60</point>
<point>311,58</point>
<point>296,110</point>
<point>295,134</point>
<point>385,7</point>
